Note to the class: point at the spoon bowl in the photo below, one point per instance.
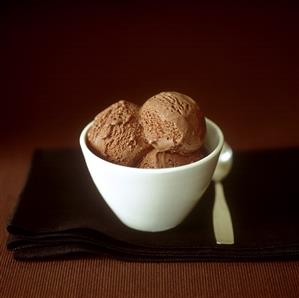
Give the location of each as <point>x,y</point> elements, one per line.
<point>224,163</point>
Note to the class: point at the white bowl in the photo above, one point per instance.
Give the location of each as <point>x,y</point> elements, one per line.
<point>154,199</point>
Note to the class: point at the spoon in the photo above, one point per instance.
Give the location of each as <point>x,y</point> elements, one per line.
<point>222,222</point>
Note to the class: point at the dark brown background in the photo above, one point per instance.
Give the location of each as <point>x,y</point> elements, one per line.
<point>63,63</point>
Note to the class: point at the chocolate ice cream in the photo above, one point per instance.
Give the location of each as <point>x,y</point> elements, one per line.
<point>166,159</point>
<point>173,121</point>
<point>167,131</point>
<point>117,135</point>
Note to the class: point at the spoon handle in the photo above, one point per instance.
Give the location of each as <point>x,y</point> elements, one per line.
<point>222,222</point>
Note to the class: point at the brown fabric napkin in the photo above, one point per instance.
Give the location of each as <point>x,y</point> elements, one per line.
<point>60,213</point>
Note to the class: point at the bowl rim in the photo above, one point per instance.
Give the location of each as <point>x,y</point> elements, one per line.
<point>211,155</point>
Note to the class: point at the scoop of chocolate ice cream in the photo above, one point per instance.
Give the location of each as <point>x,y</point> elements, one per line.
<point>155,159</point>
<point>117,135</point>
<point>173,121</point>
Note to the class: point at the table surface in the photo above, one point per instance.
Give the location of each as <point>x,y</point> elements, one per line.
<point>64,64</point>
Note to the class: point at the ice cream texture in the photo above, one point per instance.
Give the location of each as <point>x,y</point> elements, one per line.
<point>168,130</point>
<point>117,135</point>
<point>173,121</point>
<point>166,159</point>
